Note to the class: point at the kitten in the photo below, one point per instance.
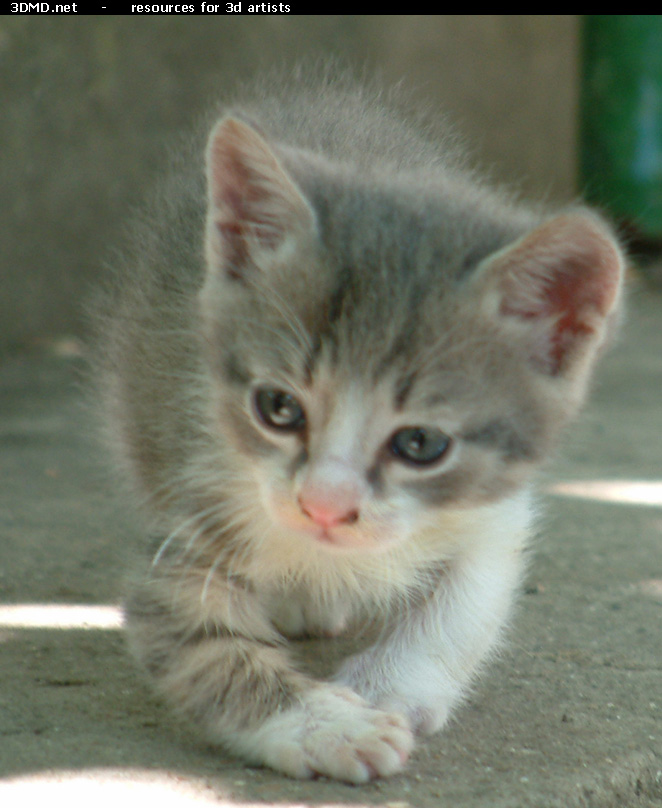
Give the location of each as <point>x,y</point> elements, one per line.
<point>332,365</point>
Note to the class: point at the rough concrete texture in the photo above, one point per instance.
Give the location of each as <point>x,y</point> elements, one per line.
<point>568,717</point>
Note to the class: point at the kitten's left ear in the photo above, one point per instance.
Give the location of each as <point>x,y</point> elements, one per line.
<point>255,210</point>
<point>557,290</point>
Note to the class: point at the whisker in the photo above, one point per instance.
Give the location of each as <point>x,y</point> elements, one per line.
<point>181,528</point>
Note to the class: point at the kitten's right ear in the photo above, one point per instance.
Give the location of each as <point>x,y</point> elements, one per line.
<point>255,211</point>
<point>556,291</point>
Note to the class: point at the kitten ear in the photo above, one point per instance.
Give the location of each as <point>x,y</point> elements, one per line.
<point>254,210</point>
<point>557,288</point>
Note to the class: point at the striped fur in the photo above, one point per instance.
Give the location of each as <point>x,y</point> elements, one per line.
<point>427,338</point>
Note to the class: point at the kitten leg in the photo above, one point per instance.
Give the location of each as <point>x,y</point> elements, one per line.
<point>221,664</point>
<point>424,666</point>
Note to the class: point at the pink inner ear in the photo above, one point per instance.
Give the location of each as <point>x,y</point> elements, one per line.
<point>566,273</point>
<point>253,201</point>
<point>239,171</point>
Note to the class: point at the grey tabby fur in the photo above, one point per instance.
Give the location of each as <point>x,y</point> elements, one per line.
<point>331,364</point>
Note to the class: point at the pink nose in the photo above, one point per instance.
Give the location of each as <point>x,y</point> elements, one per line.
<point>327,512</point>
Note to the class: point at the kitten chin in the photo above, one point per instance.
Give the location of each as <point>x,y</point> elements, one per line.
<point>332,363</point>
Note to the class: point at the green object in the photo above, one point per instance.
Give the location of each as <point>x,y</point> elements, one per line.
<point>621,117</point>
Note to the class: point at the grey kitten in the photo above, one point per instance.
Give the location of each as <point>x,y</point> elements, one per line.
<point>332,365</point>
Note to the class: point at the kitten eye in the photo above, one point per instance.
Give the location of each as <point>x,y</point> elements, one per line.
<point>419,446</point>
<point>279,410</point>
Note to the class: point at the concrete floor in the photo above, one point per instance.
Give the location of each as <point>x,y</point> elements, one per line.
<point>570,715</point>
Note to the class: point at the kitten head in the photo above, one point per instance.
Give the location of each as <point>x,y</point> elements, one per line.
<point>389,348</point>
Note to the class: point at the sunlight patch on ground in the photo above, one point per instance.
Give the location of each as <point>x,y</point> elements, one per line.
<point>628,492</point>
<point>109,788</point>
<point>652,587</point>
<point>57,615</point>
<point>105,789</point>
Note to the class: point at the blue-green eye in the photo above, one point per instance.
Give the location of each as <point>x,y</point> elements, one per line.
<point>279,410</point>
<point>419,445</point>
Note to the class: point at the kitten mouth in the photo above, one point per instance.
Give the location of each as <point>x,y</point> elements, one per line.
<point>339,537</point>
<point>325,536</point>
<point>338,541</point>
<point>328,537</point>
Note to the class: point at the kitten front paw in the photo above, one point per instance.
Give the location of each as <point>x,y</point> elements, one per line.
<point>423,694</point>
<point>425,719</point>
<point>336,734</point>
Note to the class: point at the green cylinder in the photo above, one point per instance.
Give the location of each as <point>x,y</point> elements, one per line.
<point>621,118</point>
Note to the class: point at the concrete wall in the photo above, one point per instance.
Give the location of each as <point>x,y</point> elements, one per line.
<point>88,101</point>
